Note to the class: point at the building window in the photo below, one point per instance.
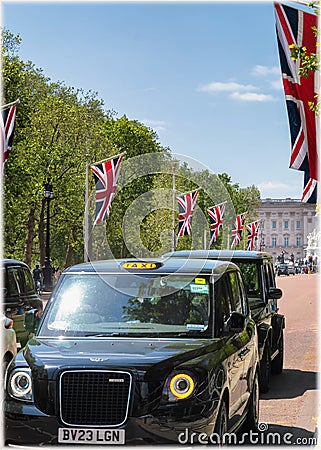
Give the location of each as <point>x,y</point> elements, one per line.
<point>298,241</point>
<point>274,224</point>
<point>286,224</point>
<point>298,224</point>
<point>286,242</point>
<point>274,242</point>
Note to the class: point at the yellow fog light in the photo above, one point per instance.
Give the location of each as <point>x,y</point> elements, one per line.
<point>182,385</point>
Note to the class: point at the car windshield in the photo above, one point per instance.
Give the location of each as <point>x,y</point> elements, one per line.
<point>129,305</point>
<point>250,272</point>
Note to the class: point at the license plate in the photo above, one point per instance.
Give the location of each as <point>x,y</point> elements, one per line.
<point>102,436</point>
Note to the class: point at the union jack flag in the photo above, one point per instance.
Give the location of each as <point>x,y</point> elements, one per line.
<point>294,26</point>
<point>237,229</point>
<point>252,234</point>
<point>106,176</point>
<point>8,116</point>
<point>216,214</point>
<point>186,205</point>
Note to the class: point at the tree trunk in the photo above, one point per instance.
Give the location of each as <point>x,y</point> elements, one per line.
<point>30,237</point>
<point>41,233</point>
<point>70,249</point>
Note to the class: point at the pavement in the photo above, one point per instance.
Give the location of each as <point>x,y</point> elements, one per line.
<point>45,297</point>
<point>291,407</point>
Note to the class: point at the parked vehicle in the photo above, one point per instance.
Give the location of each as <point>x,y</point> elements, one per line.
<point>137,352</point>
<point>283,269</point>
<point>19,296</point>
<point>9,344</point>
<point>258,273</point>
<point>291,269</point>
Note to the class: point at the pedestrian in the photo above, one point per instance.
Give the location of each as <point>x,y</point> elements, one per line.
<point>37,277</point>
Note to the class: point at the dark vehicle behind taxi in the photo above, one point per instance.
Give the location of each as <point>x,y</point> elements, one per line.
<point>19,296</point>
<point>258,274</point>
<point>132,352</point>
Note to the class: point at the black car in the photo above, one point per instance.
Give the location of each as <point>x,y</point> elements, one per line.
<point>258,273</point>
<point>19,296</point>
<point>132,352</point>
<point>283,269</point>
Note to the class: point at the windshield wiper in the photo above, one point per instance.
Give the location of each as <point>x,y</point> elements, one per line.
<point>102,334</point>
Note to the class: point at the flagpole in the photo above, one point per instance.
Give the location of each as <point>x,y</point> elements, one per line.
<point>86,231</point>
<point>107,159</point>
<point>174,207</point>
<point>10,104</point>
<point>204,242</point>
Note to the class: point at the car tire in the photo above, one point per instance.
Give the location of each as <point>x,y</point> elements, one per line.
<point>252,418</point>
<point>277,363</point>
<point>265,369</point>
<point>221,422</point>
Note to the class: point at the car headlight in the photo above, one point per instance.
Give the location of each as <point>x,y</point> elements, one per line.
<point>179,386</point>
<point>20,384</point>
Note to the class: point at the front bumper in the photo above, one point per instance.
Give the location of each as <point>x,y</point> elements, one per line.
<point>25,425</point>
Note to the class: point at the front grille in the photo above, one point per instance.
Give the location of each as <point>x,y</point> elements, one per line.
<point>94,398</point>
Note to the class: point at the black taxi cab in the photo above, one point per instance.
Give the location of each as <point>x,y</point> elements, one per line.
<point>132,352</point>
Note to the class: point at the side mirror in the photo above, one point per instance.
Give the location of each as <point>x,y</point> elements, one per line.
<point>235,323</point>
<point>31,321</point>
<point>275,293</point>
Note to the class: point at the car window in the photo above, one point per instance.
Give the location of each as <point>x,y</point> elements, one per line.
<point>13,281</point>
<point>251,276</point>
<point>223,303</point>
<point>269,276</point>
<point>28,280</point>
<point>243,294</point>
<point>237,297</point>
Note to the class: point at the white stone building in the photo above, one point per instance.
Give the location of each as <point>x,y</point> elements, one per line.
<point>286,224</point>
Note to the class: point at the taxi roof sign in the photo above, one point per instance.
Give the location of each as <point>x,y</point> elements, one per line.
<point>141,265</point>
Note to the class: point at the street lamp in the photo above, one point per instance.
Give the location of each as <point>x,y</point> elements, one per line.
<point>47,269</point>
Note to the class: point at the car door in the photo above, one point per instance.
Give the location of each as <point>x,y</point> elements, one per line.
<point>246,352</point>
<point>232,348</point>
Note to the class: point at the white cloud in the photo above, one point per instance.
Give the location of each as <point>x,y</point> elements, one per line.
<point>274,186</point>
<point>262,71</point>
<point>217,86</point>
<point>156,125</point>
<point>273,189</point>
<point>252,97</point>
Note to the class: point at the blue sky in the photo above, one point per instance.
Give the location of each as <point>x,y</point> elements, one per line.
<point>205,76</point>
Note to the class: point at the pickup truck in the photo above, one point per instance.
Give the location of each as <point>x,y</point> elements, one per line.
<point>259,278</point>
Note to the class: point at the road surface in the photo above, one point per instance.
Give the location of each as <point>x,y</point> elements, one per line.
<point>290,409</point>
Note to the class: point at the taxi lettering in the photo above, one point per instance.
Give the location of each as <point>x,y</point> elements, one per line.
<point>140,265</point>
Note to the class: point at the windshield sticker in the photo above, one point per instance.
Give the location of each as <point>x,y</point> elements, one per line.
<point>200,281</point>
<point>199,288</point>
<point>196,326</point>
